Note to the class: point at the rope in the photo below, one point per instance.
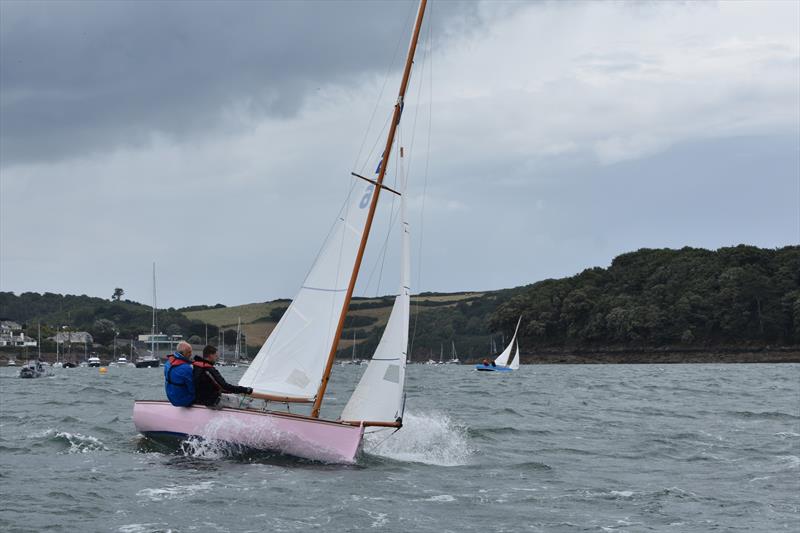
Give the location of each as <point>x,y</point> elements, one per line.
<point>389,436</point>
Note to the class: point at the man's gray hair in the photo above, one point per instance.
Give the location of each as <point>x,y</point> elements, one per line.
<point>183,347</point>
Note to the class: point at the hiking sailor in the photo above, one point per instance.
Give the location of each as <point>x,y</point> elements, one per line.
<point>209,383</point>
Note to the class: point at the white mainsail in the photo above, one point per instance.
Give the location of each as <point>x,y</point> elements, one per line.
<point>292,360</point>
<point>378,397</point>
<point>502,359</point>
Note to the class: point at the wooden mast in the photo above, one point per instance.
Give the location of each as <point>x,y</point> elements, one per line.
<point>398,110</point>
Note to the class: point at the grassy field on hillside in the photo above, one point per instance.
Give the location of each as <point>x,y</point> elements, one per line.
<point>229,316</point>
<point>257,325</point>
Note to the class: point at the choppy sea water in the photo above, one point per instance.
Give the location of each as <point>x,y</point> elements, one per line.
<point>547,448</point>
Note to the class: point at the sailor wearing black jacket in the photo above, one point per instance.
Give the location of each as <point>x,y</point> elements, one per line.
<point>208,382</point>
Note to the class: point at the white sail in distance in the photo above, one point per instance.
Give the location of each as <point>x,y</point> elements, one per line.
<point>378,397</point>
<point>292,360</point>
<point>515,362</point>
<point>502,359</point>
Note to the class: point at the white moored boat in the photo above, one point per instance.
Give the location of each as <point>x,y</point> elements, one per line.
<point>294,364</point>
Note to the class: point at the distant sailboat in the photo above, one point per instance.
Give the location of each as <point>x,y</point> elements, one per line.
<point>151,360</point>
<point>453,356</point>
<point>294,364</point>
<point>501,364</point>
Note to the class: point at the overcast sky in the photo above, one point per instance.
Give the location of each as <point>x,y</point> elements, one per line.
<point>216,139</point>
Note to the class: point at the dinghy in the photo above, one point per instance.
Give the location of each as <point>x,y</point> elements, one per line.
<point>501,364</point>
<point>293,366</point>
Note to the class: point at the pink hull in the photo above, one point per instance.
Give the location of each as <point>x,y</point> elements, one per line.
<point>318,440</point>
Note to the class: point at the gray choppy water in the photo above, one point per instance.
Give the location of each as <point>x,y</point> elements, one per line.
<point>547,448</point>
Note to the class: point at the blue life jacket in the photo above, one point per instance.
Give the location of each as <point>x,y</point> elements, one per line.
<point>178,380</point>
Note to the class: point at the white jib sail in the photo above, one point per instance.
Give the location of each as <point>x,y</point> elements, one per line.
<point>502,359</point>
<point>378,397</point>
<point>515,362</point>
<point>292,360</point>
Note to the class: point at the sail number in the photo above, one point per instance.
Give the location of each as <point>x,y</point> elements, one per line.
<point>367,195</point>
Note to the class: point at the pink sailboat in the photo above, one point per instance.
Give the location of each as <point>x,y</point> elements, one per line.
<point>293,366</point>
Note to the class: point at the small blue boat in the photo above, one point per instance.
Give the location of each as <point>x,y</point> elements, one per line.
<point>492,368</point>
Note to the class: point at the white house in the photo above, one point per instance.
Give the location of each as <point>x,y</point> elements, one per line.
<point>77,337</point>
<point>17,339</point>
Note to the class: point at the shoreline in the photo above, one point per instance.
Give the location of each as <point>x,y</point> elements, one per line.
<point>664,356</point>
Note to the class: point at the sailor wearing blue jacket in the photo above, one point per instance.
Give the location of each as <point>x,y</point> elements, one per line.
<point>178,380</point>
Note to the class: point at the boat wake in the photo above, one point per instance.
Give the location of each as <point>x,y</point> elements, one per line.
<point>429,438</point>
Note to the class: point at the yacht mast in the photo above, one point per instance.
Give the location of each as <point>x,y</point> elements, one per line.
<point>153,327</point>
<point>384,164</point>
<point>237,354</point>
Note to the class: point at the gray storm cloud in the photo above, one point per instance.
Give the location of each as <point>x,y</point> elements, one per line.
<point>82,77</point>
<point>561,134</point>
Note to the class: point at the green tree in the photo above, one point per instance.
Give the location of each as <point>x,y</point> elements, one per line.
<point>103,331</point>
<point>173,329</point>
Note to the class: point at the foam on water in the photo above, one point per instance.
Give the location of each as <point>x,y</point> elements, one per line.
<point>177,492</point>
<point>145,528</point>
<point>430,438</point>
<point>200,448</point>
<point>77,443</point>
<point>439,498</point>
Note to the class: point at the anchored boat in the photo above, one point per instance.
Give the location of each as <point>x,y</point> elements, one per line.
<point>294,364</point>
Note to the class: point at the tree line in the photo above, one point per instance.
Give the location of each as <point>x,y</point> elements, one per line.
<point>692,297</point>
<point>651,298</point>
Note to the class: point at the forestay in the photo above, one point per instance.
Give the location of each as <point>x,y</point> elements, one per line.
<point>292,360</point>
<point>502,359</point>
<point>379,394</point>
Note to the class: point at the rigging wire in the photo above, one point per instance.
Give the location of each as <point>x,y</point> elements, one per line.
<point>398,169</point>
<point>378,100</point>
<point>398,164</point>
<point>425,180</point>
<point>383,129</point>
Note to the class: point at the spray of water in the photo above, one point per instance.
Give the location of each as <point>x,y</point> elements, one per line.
<point>430,438</point>
<point>200,448</point>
